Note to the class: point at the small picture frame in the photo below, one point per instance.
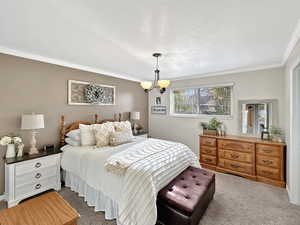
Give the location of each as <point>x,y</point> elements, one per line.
<point>265,135</point>
<point>158,109</point>
<point>158,100</point>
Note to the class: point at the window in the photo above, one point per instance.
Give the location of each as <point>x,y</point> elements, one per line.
<point>212,100</point>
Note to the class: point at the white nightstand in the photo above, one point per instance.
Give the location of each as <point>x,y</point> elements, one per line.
<point>30,175</point>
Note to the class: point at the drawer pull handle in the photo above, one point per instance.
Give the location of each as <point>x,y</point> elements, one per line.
<point>235,166</point>
<point>269,162</point>
<point>234,156</point>
<point>38,186</point>
<point>208,142</point>
<point>208,151</point>
<point>38,175</point>
<point>268,150</point>
<point>38,165</point>
<point>208,160</point>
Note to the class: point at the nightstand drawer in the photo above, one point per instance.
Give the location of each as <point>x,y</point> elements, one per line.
<point>208,159</point>
<point>36,164</point>
<point>36,187</point>
<point>35,176</point>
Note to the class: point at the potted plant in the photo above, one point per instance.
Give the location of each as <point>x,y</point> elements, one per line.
<point>10,142</point>
<point>276,134</point>
<point>211,128</point>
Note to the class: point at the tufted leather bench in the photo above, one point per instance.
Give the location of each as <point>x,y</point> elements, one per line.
<point>184,200</point>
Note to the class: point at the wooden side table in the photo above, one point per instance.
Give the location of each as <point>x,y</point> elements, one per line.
<point>47,209</point>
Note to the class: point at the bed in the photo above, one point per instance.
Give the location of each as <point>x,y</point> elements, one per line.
<point>128,197</point>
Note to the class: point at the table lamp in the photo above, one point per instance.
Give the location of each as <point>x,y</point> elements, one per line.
<point>32,122</point>
<point>135,116</point>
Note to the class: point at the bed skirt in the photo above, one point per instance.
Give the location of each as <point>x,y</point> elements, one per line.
<point>92,197</point>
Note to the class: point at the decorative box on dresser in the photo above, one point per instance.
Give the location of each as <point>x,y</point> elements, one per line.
<point>251,158</point>
<point>29,175</point>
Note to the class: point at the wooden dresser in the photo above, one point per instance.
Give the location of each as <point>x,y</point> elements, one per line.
<point>251,158</point>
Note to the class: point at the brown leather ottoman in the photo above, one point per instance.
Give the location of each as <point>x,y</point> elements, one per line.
<point>184,200</point>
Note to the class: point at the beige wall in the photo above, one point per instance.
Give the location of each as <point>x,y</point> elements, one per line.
<point>29,86</point>
<point>293,153</point>
<point>263,84</point>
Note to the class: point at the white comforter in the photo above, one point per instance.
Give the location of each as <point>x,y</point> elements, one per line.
<point>135,192</point>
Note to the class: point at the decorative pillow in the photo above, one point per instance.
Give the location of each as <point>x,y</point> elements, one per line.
<point>123,126</point>
<point>121,137</point>
<point>74,134</point>
<point>87,135</point>
<point>102,133</point>
<point>72,142</point>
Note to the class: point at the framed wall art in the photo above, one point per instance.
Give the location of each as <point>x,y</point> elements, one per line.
<point>85,93</point>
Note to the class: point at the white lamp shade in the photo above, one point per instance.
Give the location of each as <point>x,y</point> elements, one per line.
<point>146,84</point>
<point>163,83</point>
<point>32,122</point>
<point>135,115</point>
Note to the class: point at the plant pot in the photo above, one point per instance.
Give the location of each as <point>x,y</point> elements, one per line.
<point>11,151</point>
<point>210,132</point>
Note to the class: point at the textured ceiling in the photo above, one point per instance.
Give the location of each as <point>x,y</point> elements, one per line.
<point>118,37</point>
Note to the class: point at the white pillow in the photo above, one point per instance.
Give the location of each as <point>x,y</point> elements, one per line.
<point>121,137</point>
<point>87,135</point>
<point>74,134</point>
<point>123,126</point>
<point>72,142</point>
<point>102,134</point>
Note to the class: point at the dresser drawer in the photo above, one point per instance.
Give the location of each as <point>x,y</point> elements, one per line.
<point>208,150</point>
<point>268,150</point>
<point>36,187</point>
<point>268,161</point>
<point>237,166</point>
<point>236,145</point>
<point>35,176</point>
<point>268,172</point>
<point>36,164</point>
<point>238,156</point>
<point>208,141</point>
<point>208,159</point>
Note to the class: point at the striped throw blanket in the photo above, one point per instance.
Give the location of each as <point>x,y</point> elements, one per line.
<point>147,167</point>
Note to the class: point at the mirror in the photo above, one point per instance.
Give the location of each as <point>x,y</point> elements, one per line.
<point>257,115</point>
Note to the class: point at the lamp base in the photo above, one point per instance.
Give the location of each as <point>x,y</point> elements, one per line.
<point>33,151</point>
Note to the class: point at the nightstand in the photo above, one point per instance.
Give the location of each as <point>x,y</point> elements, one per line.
<point>29,175</point>
<point>142,134</point>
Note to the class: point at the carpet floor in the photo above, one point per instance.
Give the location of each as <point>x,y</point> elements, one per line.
<point>237,202</point>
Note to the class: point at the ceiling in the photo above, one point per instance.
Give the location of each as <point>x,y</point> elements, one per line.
<point>117,38</point>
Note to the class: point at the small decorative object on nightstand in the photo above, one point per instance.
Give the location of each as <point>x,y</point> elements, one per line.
<point>135,116</point>
<point>142,134</point>
<point>29,175</point>
<point>33,122</point>
<point>11,143</point>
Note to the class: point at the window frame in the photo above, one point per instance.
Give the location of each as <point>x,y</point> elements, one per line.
<point>215,85</point>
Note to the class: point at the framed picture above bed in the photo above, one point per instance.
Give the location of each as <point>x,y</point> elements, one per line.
<point>85,93</point>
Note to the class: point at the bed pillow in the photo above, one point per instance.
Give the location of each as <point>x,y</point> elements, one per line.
<point>102,134</point>
<point>72,142</point>
<point>120,137</point>
<point>87,135</point>
<point>123,126</point>
<point>74,134</point>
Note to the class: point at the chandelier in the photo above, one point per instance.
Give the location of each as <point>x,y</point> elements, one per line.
<point>157,83</point>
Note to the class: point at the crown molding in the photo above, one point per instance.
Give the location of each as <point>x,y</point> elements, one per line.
<point>293,41</point>
<point>227,72</point>
<point>40,58</point>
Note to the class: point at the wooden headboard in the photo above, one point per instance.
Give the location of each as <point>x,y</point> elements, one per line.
<point>75,125</point>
